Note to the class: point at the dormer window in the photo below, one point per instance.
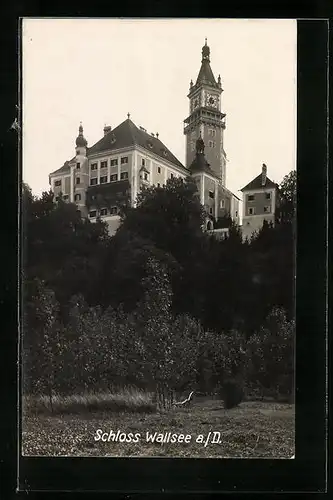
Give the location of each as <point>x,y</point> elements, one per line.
<point>149,144</point>
<point>113,139</point>
<point>164,153</point>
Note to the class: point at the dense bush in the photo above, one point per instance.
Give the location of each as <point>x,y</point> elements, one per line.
<point>231,393</point>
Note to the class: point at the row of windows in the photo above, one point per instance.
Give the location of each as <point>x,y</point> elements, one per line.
<point>113,163</point>
<point>103,211</point>
<point>251,197</point>
<point>104,178</point>
<point>252,210</point>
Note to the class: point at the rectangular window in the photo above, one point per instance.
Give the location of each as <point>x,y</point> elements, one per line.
<point>93,181</point>
<point>145,176</point>
<point>57,183</point>
<point>93,166</point>
<point>78,166</point>
<point>143,162</point>
<point>78,180</point>
<point>210,210</point>
<point>211,194</point>
<point>92,213</point>
<point>251,211</point>
<point>267,209</point>
<point>124,160</point>
<point>250,197</point>
<point>158,170</point>
<point>268,196</point>
<point>104,211</point>
<point>222,203</point>
<point>103,179</point>
<point>171,176</point>
<point>212,132</point>
<point>124,175</point>
<point>77,197</point>
<point>104,164</point>
<point>114,162</point>
<point>113,177</point>
<point>113,210</point>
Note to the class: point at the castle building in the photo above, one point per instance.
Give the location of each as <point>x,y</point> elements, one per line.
<point>260,200</point>
<point>98,179</point>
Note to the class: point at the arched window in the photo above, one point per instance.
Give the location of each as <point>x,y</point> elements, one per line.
<point>77,197</point>
<point>209,225</point>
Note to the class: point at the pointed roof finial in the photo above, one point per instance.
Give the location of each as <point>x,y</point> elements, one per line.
<point>80,140</point>
<point>128,115</point>
<point>206,41</point>
<point>205,52</point>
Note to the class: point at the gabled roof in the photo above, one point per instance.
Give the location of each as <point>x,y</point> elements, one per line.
<point>257,184</point>
<point>128,134</point>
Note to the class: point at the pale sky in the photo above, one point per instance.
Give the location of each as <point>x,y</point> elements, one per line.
<point>98,70</point>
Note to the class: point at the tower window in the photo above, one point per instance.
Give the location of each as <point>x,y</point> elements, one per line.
<point>251,211</point>
<point>268,196</point>
<point>114,162</point>
<point>250,197</point>
<point>124,160</point>
<point>104,211</point>
<point>211,144</point>
<point>92,213</point>
<point>77,197</point>
<point>78,180</point>
<point>124,175</point>
<point>57,183</point>
<point>113,177</point>
<point>93,166</point>
<point>212,132</point>
<point>104,164</point>
<point>222,203</point>
<point>267,209</point>
<point>93,181</point>
<point>113,210</point>
<point>77,151</point>
<point>211,194</point>
<point>78,166</point>
<point>104,179</point>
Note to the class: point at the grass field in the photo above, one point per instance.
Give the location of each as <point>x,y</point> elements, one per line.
<point>251,430</point>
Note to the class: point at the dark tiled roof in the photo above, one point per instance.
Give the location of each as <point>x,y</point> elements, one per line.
<point>206,74</point>
<point>128,134</point>
<point>257,184</point>
<point>200,164</point>
<point>63,169</point>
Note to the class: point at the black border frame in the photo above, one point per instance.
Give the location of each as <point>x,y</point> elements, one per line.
<point>307,472</point>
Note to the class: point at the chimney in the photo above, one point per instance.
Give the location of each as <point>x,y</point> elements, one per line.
<point>106,129</point>
<point>263,174</point>
<point>152,134</point>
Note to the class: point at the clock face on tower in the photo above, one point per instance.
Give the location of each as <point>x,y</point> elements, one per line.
<point>211,100</point>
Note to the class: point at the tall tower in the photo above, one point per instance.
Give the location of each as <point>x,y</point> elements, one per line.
<point>205,118</point>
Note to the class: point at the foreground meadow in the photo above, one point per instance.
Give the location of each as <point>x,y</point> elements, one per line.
<point>251,430</point>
